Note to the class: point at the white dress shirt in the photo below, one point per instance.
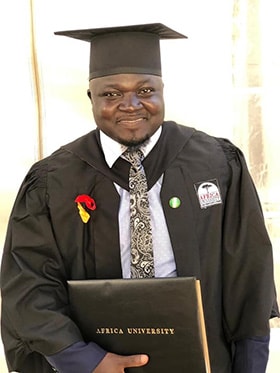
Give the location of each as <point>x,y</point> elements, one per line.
<point>163,254</point>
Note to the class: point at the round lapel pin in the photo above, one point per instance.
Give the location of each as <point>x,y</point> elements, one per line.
<point>174,202</point>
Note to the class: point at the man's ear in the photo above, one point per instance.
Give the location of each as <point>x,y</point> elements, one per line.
<point>89,94</point>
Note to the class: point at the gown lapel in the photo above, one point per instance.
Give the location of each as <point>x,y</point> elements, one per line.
<point>181,223</point>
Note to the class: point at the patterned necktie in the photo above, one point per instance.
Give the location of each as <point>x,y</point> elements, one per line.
<point>142,261</point>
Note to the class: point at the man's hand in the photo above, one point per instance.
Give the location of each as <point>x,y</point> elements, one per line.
<point>113,363</point>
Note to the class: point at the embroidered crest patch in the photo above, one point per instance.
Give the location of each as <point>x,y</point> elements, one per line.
<point>208,193</point>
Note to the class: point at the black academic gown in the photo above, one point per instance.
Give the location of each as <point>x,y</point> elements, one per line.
<point>223,243</point>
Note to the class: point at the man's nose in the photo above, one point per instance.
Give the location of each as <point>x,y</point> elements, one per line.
<point>130,101</point>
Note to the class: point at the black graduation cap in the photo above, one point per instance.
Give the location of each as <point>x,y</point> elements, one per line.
<point>124,49</point>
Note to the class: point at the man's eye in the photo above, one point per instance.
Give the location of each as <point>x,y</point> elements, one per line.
<point>145,91</point>
<point>111,94</point>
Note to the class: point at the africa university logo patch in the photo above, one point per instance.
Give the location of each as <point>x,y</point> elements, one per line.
<point>208,193</point>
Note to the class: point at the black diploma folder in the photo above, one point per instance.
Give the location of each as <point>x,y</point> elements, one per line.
<point>160,317</point>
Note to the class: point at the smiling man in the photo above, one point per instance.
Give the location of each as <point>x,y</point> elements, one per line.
<point>71,220</point>
<point>129,108</point>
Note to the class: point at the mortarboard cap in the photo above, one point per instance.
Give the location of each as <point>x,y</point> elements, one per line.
<point>125,49</point>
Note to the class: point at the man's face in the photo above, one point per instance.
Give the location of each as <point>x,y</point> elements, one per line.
<point>128,107</point>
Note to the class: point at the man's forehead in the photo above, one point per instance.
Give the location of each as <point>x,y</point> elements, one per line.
<point>121,80</point>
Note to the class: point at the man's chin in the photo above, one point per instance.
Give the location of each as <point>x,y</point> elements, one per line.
<point>135,142</point>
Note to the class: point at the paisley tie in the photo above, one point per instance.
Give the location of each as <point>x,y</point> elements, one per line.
<point>142,261</point>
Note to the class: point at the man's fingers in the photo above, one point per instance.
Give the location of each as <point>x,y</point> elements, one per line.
<point>135,360</point>
<point>113,363</point>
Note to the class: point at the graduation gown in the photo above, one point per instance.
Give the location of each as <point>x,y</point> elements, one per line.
<point>217,234</point>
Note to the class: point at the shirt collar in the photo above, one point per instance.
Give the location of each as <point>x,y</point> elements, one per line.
<point>113,149</point>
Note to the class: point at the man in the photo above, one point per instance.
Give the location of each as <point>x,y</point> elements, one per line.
<point>206,221</point>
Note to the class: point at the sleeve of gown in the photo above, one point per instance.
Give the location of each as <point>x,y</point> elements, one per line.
<point>33,280</point>
<point>249,297</point>
<point>251,355</point>
<point>80,357</point>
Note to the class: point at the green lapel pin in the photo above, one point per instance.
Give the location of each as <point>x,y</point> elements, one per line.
<point>174,202</point>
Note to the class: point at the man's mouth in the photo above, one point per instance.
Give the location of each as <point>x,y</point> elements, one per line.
<point>131,120</point>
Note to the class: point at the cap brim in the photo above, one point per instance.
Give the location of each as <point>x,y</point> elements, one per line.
<point>159,29</point>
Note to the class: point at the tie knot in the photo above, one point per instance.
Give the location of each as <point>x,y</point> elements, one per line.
<point>134,157</point>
